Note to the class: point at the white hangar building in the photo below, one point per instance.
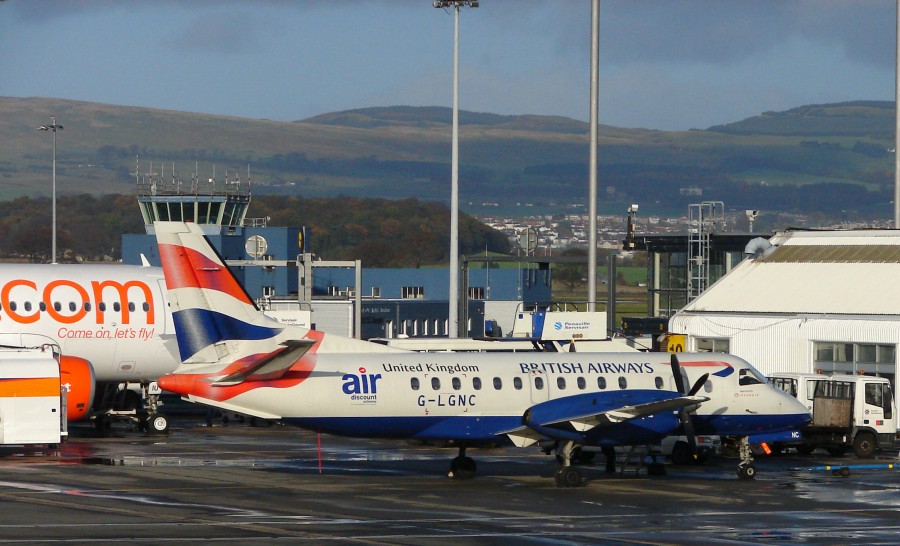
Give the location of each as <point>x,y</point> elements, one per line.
<point>805,301</point>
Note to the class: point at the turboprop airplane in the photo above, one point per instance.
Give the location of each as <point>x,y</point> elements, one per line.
<point>236,358</point>
<point>113,316</point>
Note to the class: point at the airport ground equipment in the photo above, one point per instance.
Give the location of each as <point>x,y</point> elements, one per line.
<point>32,397</point>
<point>848,412</point>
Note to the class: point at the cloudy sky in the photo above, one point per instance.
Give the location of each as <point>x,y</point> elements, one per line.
<point>664,64</point>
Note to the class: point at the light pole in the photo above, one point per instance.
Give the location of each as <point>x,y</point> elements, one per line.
<point>453,318</point>
<point>53,127</point>
<point>592,168</point>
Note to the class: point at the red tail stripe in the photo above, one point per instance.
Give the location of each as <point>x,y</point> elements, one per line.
<point>187,268</point>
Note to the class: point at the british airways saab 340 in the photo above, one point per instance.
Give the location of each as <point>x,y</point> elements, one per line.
<point>237,359</point>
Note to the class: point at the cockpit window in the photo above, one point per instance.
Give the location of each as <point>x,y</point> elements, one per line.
<point>749,377</point>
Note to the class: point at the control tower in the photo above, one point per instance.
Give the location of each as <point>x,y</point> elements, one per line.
<point>210,205</point>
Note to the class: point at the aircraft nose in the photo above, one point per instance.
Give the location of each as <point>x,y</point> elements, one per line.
<point>796,408</point>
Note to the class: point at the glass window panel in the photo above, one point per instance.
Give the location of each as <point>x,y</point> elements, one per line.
<point>886,354</point>
<point>866,353</point>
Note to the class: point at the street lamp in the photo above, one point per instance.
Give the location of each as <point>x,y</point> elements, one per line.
<point>53,127</point>
<point>453,317</point>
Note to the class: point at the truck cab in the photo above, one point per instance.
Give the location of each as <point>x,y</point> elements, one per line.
<point>848,412</point>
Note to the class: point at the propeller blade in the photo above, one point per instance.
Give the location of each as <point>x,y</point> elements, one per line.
<point>676,372</point>
<point>688,425</point>
<point>698,384</point>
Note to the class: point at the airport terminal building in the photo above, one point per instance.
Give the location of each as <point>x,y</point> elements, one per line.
<point>805,301</point>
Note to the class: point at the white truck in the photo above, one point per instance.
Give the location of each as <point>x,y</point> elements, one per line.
<point>849,412</point>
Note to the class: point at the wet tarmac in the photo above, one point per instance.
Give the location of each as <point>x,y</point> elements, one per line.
<point>277,485</point>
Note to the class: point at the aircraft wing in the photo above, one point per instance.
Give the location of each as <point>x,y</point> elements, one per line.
<point>273,366</point>
<point>583,423</point>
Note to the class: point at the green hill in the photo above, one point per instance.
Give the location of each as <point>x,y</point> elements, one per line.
<point>822,158</point>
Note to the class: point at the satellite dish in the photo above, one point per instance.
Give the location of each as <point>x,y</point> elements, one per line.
<point>256,246</point>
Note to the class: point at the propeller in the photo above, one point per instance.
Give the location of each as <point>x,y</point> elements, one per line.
<point>687,424</point>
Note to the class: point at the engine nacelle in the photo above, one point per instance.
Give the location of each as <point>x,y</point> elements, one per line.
<point>77,375</point>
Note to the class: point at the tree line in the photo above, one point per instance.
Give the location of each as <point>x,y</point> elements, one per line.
<point>380,232</point>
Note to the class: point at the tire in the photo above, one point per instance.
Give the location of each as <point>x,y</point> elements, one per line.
<point>864,445</point>
<point>157,424</point>
<point>568,476</point>
<point>746,471</point>
<point>463,468</point>
<point>681,454</point>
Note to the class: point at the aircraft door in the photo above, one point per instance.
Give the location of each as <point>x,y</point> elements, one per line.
<point>163,316</point>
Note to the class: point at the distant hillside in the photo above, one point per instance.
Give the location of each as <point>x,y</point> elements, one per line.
<point>412,116</point>
<point>869,119</point>
<point>824,158</point>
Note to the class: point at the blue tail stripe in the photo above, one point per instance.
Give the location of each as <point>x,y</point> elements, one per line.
<point>200,328</point>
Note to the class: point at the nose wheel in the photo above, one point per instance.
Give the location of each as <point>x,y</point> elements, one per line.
<point>746,470</point>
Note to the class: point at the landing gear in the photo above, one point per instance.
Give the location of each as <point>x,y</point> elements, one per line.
<point>567,475</point>
<point>462,467</point>
<point>746,470</point>
<point>137,404</point>
<point>157,423</point>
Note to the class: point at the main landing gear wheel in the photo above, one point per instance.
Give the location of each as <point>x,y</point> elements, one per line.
<point>462,467</point>
<point>568,476</point>
<point>746,471</point>
<point>157,424</point>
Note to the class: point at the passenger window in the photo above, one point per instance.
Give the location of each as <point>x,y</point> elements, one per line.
<point>659,382</point>
<point>12,306</point>
<point>457,384</point>
<point>101,306</point>
<point>117,306</point>
<point>582,384</point>
<point>708,386</point>
<point>28,306</point>
<point>57,306</point>
<point>435,383</point>
<point>601,383</point>
<point>131,306</point>
<point>42,306</point>
<point>561,383</point>
<point>414,383</point>
<point>476,383</point>
<point>87,306</point>
<point>539,383</point>
<point>145,306</point>
<point>623,383</point>
<point>72,306</point>
<point>498,384</point>
<point>517,383</point>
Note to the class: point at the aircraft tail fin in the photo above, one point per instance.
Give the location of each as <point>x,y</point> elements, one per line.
<point>209,307</point>
<point>216,322</point>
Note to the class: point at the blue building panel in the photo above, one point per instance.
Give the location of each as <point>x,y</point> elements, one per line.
<point>530,284</point>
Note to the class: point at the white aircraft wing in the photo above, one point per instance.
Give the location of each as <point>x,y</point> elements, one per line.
<point>273,367</point>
